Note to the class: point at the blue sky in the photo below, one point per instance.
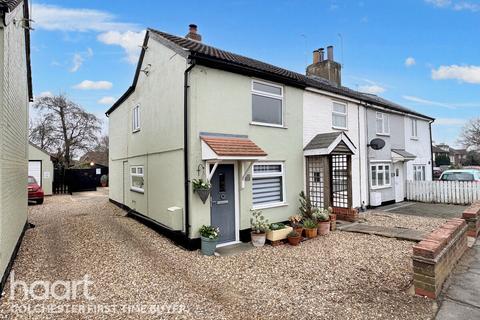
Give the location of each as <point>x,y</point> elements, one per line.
<point>423,54</point>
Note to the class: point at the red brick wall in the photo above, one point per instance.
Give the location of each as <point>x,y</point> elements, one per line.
<point>435,257</point>
<point>346,214</point>
<point>472,217</point>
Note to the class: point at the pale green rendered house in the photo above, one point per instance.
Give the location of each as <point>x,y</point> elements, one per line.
<point>243,124</point>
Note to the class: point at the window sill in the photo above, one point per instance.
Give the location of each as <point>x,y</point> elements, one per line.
<point>270,205</point>
<point>413,138</point>
<point>137,190</point>
<point>380,188</point>
<point>136,130</point>
<point>339,128</point>
<point>262,124</point>
<point>383,134</point>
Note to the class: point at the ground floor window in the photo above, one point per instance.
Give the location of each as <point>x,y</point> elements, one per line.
<point>419,172</point>
<point>136,178</point>
<point>380,175</point>
<point>268,184</point>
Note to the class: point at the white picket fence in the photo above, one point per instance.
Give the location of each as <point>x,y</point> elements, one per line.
<point>452,192</point>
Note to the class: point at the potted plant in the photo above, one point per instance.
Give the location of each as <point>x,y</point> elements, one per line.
<point>294,238</point>
<point>295,222</point>
<point>310,226</point>
<point>306,208</point>
<point>278,231</point>
<point>323,221</point>
<point>209,236</point>
<point>202,188</point>
<point>104,180</point>
<point>259,228</point>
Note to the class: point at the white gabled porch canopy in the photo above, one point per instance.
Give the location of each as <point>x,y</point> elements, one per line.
<point>329,143</point>
<point>400,155</point>
<point>218,148</point>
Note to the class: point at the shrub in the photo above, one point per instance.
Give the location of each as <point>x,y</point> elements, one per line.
<point>210,232</point>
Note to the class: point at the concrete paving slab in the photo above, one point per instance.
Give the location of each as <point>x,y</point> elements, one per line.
<point>434,210</point>
<point>234,249</point>
<point>398,233</point>
<point>451,310</point>
<point>465,287</point>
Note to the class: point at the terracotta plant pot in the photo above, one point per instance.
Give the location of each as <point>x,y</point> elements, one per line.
<point>323,228</point>
<point>258,239</point>
<point>298,230</point>
<point>294,241</point>
<point>333,221</point>
<point>311,233</point>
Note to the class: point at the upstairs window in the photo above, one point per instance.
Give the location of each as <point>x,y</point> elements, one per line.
<point>136,119</point>
<point>267,103</point>
<point>383,123</point>
<point>414,128</point>
<point>136,179</point>
<point>339,115</point>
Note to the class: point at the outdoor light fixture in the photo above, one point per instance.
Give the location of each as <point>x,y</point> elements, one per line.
<point>92,163</point>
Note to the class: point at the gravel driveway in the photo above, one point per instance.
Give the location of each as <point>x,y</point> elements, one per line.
<point>341,276</point>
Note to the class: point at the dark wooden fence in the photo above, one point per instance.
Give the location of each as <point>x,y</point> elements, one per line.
<point>66,181</point>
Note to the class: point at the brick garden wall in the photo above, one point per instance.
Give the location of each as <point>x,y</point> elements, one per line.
<point>436,256</point>
<point>345,214</point>
<point>472,216</point>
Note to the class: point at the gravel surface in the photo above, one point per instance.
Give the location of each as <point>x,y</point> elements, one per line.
<point>387,219</point>
<point>340,276</point>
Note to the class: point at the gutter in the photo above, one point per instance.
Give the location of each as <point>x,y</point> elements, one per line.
<point>431,146</point>
<point>185,146</point>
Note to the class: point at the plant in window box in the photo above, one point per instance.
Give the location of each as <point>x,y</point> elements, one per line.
<point>278,231</point>
<point>259,227</point>
<point>310,226</point>
<point>209,236</point>
<point>202,188</point>
<point>294,238</point>
<point>296,223</point>
<point>322,217</point>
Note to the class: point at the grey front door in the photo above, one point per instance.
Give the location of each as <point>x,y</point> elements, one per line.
<point>223,201</point>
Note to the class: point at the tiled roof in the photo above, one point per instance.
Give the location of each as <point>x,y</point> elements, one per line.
<point>229,147</point>
<point>201,51</point>
<point>323,140</point>
<point>10,4</point>
<point>404,153</point>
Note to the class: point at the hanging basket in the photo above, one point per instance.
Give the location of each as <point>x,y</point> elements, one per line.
<point>203,194</point>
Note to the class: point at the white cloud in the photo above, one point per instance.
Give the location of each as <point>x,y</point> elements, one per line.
<point>457,5</point>
<point>79,58</point>
<point>469,74</point>
<point>93,85</point>
<point>440,104</point>
<point>45,94</point>
<point>50,17</point>
<point>130,41</point>
<point>107,100</point>
<point>450,121</point>
<point>372,89</point>
<point>410,61</point>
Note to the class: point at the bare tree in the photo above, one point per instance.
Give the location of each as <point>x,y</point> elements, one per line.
<point>42,133</point>
<point>470,136</point>
<point>74,129</point>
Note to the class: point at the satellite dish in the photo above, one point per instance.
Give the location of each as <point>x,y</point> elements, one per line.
<point>377,144</point>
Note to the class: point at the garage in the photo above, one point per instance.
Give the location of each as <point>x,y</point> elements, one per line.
<point>35,170</point>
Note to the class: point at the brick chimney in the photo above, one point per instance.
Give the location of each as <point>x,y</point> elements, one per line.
<point>192,33</point>
<point>327,69</point>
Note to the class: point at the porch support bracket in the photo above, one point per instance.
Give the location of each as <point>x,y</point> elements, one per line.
<point>210,175</point>
<point>245,171</point>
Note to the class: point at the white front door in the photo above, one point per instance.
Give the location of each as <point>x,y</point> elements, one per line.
<point>399,182</point>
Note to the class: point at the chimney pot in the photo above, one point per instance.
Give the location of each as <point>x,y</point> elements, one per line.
<point>330,53</point>
<point>322,55</point>
<point>192,33</point>
<point>316,56</point>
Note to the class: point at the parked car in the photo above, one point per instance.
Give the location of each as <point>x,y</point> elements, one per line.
<point>461,175</point>
<point>35,192</point>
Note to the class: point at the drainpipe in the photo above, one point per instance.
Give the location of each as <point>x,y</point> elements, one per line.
<point>185,146</point>
<point>431,146</point>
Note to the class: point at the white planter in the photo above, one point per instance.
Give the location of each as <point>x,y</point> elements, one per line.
<point>276,235</point>
<point>258,239</point>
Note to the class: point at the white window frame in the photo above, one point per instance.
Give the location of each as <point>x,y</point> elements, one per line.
<point>414,128</point>
<point>269,95</point>
<point>136,119</point>
<point>385,172</point>
<point>270,174</point>
<point>136,174</point>
<point>342,114</point>
<point>422,169</point>
<point>385,117</point>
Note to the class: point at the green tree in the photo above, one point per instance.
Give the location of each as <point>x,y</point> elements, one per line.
<point>442,160</point>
